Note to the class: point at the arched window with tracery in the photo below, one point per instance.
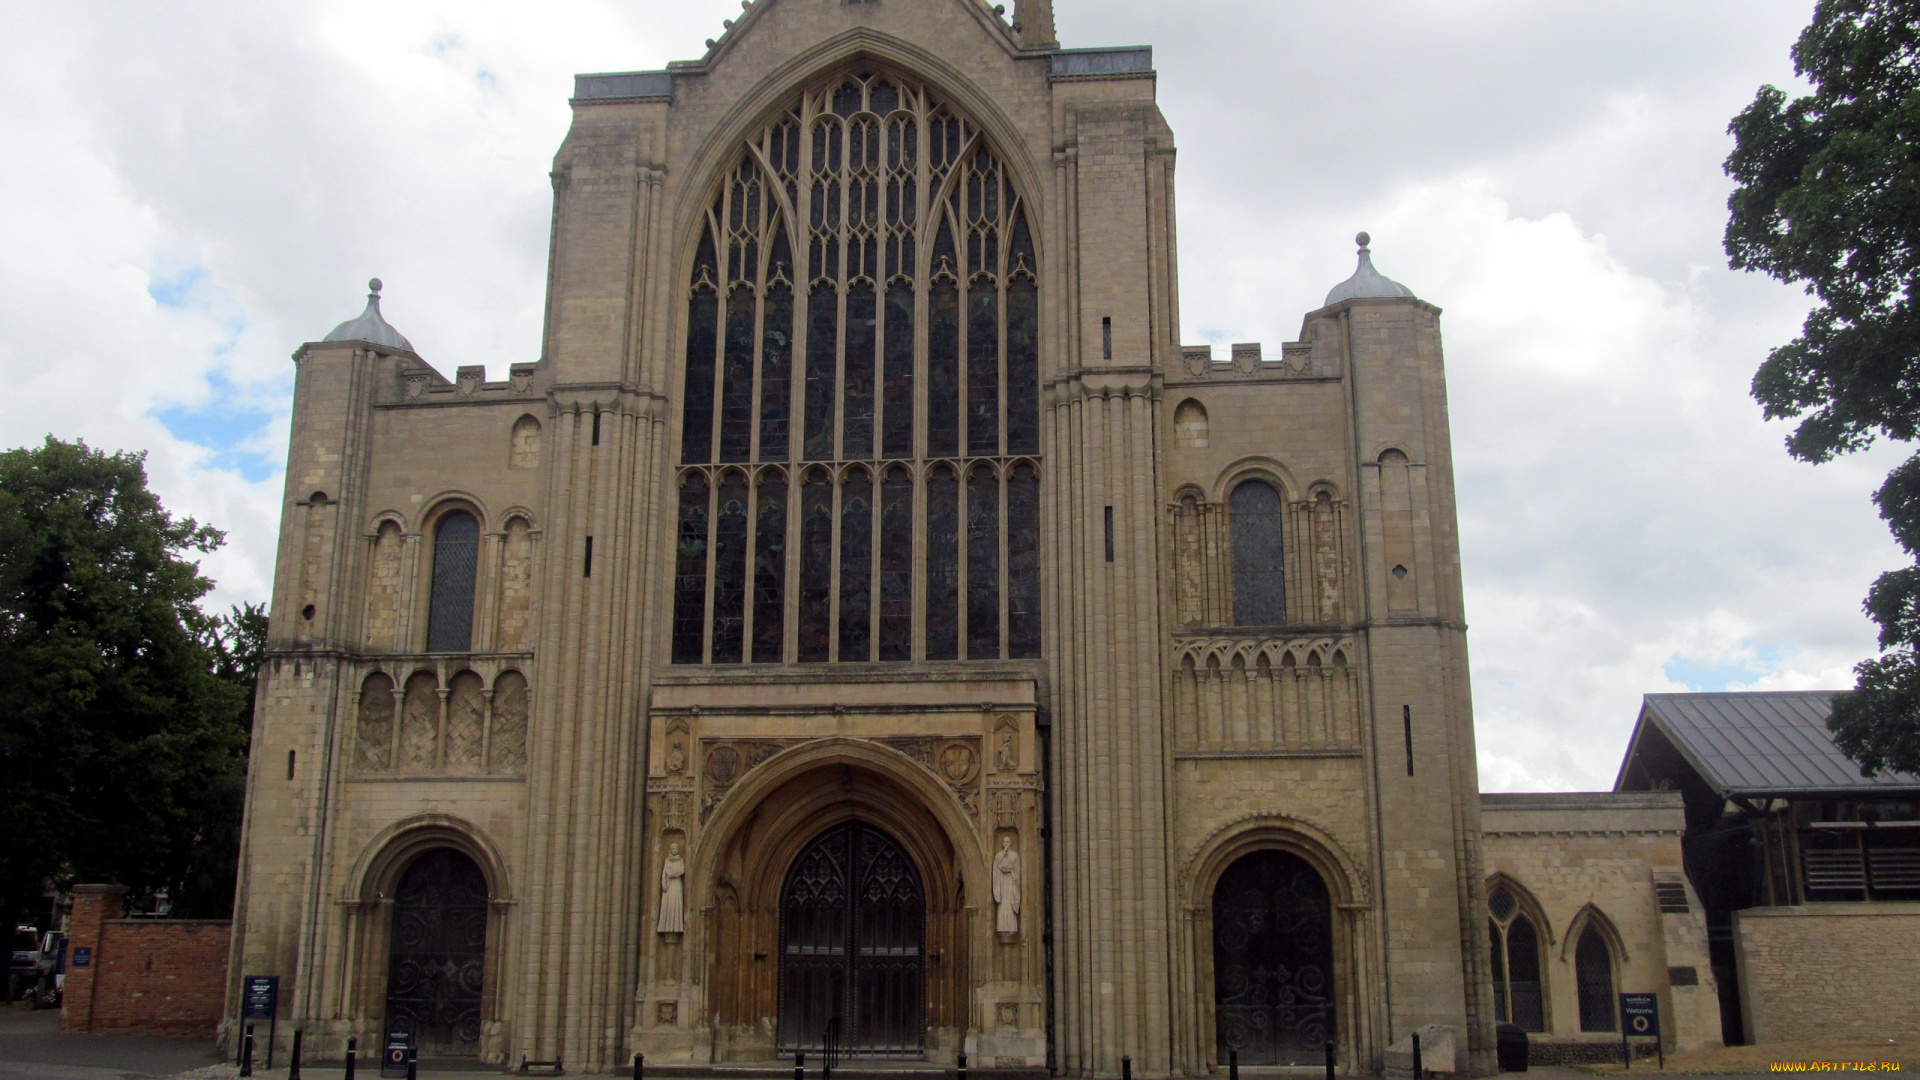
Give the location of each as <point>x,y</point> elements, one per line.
<point>1255,513</point>
<point>456,560</point>
<point>863,306</point>
<point>1515,941</point>
<point>1593,970</point>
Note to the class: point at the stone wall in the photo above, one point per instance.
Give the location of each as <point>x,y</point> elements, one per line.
<point>1829,971</point>
<point>1603,858</point>
<point>143,976</point>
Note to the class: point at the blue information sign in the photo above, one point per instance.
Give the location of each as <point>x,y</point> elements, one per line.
<point>83,956</point>
<point>1641,1014</point>
<point>260,997</point>
<point>393,1061</point>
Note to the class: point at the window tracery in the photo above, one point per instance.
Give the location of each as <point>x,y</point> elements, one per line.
<point>863,304</point>
<point>1514,940</point>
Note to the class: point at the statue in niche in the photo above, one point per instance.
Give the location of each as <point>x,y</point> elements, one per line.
<point>1006,888</point>
<point>1007,760</point>
<point>676,757</point>
<point>673,893</point>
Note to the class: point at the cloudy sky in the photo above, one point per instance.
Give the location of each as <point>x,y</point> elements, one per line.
<point>193,189</point>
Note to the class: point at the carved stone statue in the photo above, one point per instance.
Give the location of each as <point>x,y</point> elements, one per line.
<point>1006,888</point>
<point>1008,760</point>
<point>676,757</point>
<point>673,893</point>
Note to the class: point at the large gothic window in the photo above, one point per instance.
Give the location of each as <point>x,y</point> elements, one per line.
<point>861,418</point>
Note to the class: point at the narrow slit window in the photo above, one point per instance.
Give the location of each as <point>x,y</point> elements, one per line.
<point>1109,534</point>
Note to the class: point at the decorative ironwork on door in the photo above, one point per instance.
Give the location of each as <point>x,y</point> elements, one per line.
<point>437,962</point>
<point>852,932</point>
<point>1273,961</point>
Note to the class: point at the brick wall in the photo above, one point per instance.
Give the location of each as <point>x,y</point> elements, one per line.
<point>146,976</point>
<point>1829,971</point>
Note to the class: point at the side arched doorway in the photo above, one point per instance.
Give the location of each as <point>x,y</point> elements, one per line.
<point>853,916</point>
<point>1273,961</point>
<point>437,955</point>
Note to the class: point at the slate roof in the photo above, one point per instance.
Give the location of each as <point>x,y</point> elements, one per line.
<point>1760,744</point>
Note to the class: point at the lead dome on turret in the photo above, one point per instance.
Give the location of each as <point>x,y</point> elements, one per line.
<point>1366,281</point>
<point>371,326</point>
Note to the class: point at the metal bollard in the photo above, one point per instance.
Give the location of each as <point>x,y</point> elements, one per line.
<point>1418,1072</point>
<point>1329,1059</point>
<point>1126,1067</point>
<point>413,1063</point>
<point>293,1066</point>
<point>353,1055</point>
<point>963,1067</point>
<point>246,1053</point>
<point>1233,1065</point>
<point>799,1067</point>
<point>639,1067</point>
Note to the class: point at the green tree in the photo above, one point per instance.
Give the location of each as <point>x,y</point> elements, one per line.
<point>122,736</point>
<point>1829,196</point>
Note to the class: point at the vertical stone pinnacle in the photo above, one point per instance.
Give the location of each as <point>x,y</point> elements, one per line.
<point>1033,20</point>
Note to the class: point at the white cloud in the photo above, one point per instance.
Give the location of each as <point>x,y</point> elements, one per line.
<point>1548,173</point>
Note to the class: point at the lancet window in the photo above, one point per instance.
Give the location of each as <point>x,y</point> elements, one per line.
<point>861,415</point>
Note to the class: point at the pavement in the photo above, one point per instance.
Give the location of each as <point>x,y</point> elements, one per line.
<point>32,1049</point>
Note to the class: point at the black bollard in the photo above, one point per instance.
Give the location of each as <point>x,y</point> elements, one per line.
<point>639,1067</point>
<point>246,1053</point>
<point>353,1055</point>
<point>1418,1072</point>
<point>413,1062</point>
<point>1329,1059</point>
<point>963,1067</point>
<point>799,1067</point>
<point>1233,1065</point>
<point>1126,1067</point>
<point>293,1066</point>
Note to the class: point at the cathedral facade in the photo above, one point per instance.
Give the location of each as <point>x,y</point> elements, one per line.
<point>866,624</point>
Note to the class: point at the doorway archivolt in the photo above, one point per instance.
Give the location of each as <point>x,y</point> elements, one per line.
<point>1315,911</point>
<point>444,863</point>
<point>740,865</point>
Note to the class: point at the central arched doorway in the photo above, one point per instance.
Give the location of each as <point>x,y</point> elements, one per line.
<point>437,960</point>
<point>853,919</point>
<point>1273,961</point>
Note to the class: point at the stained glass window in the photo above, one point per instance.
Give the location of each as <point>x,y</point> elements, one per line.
<point>770,570</point>
<point>856,567</point>
<point>1023,563</point>
<point>1259,569</point>
<point>690,573</point>
<point>983,564</point>
<point>943,565</point>
<point>456,556</point>
<point>816,568</point>
<point>730,570</point>
<point>864,290</point>
<point>896,566</point>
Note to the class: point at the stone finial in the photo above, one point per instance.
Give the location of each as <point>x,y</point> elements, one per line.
<point>1033,21</point>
